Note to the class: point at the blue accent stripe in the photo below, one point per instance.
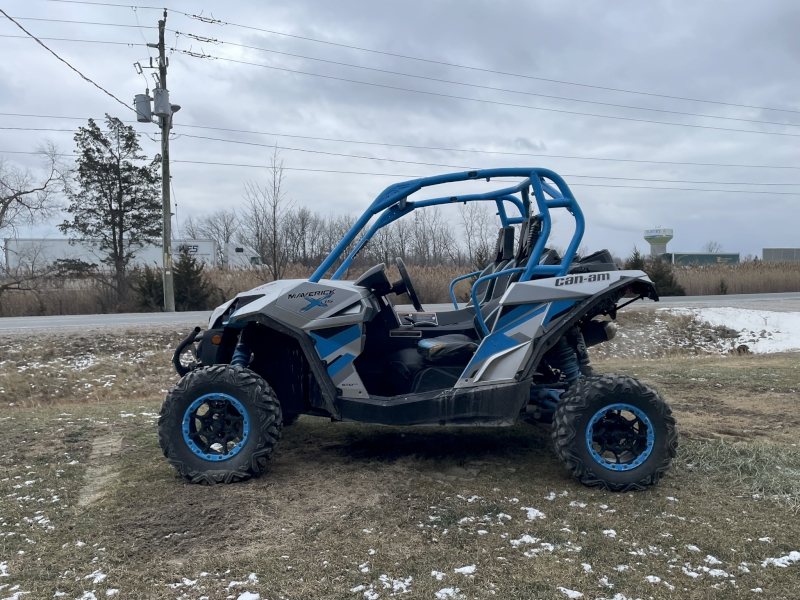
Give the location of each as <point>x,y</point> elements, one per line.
<point>340,363</point>
<point>523,310</point>
<point>328,346</point>
<point>557,308</point>
<point>498,341</point>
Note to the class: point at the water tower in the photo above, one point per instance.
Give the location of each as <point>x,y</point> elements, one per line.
<point>658,240</point>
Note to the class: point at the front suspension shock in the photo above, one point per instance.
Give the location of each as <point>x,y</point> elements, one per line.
<point>242,354</point>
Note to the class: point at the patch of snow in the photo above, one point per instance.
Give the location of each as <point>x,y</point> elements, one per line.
<point>783,561</point>
<point>112,592</point>
<point>692,548</point>
<point>712,561</point>
<point>765,539</point>
<point>604,581</point>
<point>468,570</point>
<point>96,577</point>
<point>445,593</point>
<point>587,567</point>
<point>358,588</point>
<point>533,513</point>
<point>525,539</point>
<point>438,575</point>
<point>396,585</point>
<point>653,579</point>
<point>249,596</point>
<point>610,533</point>
<point>757,590</point>
<point>570,593</point>
<point>781,331</point>
<point>576,504</point>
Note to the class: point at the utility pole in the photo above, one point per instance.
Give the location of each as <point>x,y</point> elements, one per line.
<point>165,123</point>
<point>162,109</point>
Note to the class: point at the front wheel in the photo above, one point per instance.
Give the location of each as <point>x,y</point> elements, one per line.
<point>614,432</point>
<point>220,424</point>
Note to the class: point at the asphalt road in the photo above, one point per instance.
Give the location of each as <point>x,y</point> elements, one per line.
<point>788,302</point>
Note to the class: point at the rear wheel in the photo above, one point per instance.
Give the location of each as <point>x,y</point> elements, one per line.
<point>615,432</point>
<point>220,424</point>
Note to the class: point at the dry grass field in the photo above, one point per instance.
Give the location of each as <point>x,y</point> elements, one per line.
<point>90,509</point>
<point>431,283</point>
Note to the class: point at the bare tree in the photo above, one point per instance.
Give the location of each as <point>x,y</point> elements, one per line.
<point>264,218</point>
<point>477,226</point>
<point>26,199</point>
<point>220,226</point>
<point>712,246</point>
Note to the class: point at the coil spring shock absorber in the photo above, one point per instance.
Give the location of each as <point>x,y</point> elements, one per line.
<point>578,343</point>
<point>563,358</point>
<point>241,356</point>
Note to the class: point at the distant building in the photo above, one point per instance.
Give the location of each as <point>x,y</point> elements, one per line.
<point>701,258</point>
<point>658,240</point>
<point>781,254</point>
<point>239,256</point>
<point>44,251</point>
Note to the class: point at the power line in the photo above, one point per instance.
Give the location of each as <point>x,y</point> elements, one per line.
<point>471,167</point>
<point>105,91</point>
<point>418,147</point>
<point>482,87</point>
<point>479,100</point>
<point>85,23</point>
<point>428,164</point>
<point>54,39</point>
<point>338,172</point>
<point>431,61</point>
<point>414,76</point>
<point>428,93</point>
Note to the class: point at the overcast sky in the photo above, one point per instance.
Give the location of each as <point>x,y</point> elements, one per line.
<point>742,53</point>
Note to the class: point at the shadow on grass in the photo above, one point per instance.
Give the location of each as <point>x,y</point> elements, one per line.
<point>389,445</point>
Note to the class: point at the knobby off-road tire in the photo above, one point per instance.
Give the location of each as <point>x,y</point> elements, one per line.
<point>261,416</point>
<point>587,398</point>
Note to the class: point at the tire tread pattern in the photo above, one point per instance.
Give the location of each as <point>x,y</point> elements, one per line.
<point>268,415</point>
<point>582,398</point>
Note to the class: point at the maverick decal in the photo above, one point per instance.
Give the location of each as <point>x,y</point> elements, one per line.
<point>575,279</point>
<point>315,299</point>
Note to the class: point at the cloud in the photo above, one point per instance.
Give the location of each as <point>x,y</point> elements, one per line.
<point>728,51</point>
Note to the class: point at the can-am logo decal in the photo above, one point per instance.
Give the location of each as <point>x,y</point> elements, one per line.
<point>315,299</point>
<point>575,279</point>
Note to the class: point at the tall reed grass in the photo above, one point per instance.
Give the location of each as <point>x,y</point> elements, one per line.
<point>432,284</point>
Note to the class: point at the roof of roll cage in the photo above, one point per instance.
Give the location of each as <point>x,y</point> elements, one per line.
<point>393,203</point>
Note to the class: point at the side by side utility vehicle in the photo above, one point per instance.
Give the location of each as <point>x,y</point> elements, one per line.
<point>339,349</point>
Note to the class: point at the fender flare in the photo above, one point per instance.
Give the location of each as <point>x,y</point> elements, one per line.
<point>329,392</point>
<point>551,337</point>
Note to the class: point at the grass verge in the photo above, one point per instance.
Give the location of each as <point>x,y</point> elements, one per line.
<point>353,511</point>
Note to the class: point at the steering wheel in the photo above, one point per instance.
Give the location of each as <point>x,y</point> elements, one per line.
<point>412,293</point>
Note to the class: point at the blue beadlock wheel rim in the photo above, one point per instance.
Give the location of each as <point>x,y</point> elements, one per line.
<point>215,427</point>
<point>618,442</point>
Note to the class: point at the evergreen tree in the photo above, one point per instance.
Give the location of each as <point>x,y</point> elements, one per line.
<point>148,285</point>
<point>658,270</point>
<point>114,199</point>
<point>192,289</point>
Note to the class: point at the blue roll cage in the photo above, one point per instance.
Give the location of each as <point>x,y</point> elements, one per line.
<point>393,204</point>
